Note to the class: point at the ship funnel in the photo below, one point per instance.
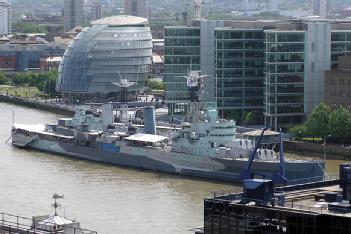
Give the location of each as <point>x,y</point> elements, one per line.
<point>107,115</point>
<point>149,120</point>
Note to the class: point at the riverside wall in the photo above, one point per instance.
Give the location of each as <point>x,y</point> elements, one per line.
<point>39,104</point>
<point>312,149</point>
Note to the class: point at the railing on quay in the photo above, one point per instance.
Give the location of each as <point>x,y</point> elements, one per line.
<point>290,206</point>
<point>19,224</point>
<point>325,178</point>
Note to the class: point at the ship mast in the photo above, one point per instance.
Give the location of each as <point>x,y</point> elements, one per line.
<point>196,85</point>
<point>124,84</point>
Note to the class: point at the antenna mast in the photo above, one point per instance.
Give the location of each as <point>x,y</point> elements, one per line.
<point>124,84</point>
<point>196,85</point>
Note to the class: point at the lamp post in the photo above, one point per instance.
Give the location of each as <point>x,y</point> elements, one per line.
<point>324,143</point>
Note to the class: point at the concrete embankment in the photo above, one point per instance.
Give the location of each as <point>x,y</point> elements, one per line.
<point>311,149</point>
<point>41,105</point>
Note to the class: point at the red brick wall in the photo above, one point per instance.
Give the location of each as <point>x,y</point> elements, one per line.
<point>8,62</point>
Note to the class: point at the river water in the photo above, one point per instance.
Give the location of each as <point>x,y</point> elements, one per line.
<point>103,198</point>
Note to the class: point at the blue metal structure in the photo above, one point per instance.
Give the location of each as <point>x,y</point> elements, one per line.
<point>277,178</point>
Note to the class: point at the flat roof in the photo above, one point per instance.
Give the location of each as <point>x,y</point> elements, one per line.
<point>258,133</point>
<point>141,137</point>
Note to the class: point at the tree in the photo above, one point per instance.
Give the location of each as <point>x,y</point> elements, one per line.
<point>249,117</point>
<point>299,131</point>
<point>24,27</point>
<point>155,85</point>
<point>340,124</point>
<point>44,81</point>
<point>3,79</point>
<point>50,86</point>
<point>318,123</point>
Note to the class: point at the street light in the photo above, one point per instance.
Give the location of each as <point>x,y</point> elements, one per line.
<point>324,143</point>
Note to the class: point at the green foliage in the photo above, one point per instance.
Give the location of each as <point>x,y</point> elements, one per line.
<point>3,79</point>
<point>155,85</point>
<point>299,131</point>
<point>29,27</point>
<point>249,118</point>
<point>318,124</point>
<point>323,122</point>
<point>43,81</point>
<point>340,124</point>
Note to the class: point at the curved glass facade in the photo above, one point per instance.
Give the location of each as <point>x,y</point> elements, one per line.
<point>100,54</point>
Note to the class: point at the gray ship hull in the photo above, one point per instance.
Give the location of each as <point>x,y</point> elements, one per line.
<point>195,166</point>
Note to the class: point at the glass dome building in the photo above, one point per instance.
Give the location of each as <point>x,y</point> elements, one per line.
<point>100,55</point>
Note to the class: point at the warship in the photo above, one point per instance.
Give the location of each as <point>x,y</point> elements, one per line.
<point>204,145</point>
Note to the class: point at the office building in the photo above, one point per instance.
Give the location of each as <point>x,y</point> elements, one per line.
<point>26,54</point>
<point>231,54</point>
<point>338,84</point>
<point>321,7</point>
<point>136,8</point>
<point>295,65</point>
<point>73,14</point>
<point>5,18</point>
<point>96,10</point>
<point>273,5</point>
<point>274,69</point>
<point>239,64</point>
<point>113,48</point>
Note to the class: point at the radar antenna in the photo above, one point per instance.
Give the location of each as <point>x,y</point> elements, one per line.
<point>196,85</point>
<point>55,204</point>
<point>124,84</point>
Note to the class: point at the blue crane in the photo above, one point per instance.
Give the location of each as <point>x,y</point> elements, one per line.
<point>276,178</point>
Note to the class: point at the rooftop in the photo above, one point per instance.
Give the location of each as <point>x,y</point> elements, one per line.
<point>302,200</point>
<point>121,20</point>
<point>146,138</point>
<point>258,133</point>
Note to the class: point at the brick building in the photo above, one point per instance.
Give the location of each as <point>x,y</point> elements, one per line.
<point>338,84</point>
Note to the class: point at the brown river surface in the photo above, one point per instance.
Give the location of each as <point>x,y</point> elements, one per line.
<point>103,198</point>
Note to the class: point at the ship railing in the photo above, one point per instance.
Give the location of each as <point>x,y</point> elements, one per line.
<point>311,209</point>
<point>19,224</point>
<point>230,194</point>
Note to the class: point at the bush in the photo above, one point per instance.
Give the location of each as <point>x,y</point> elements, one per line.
<point>44,81</point>
<point>155,85</point>
<point>3,79</point>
